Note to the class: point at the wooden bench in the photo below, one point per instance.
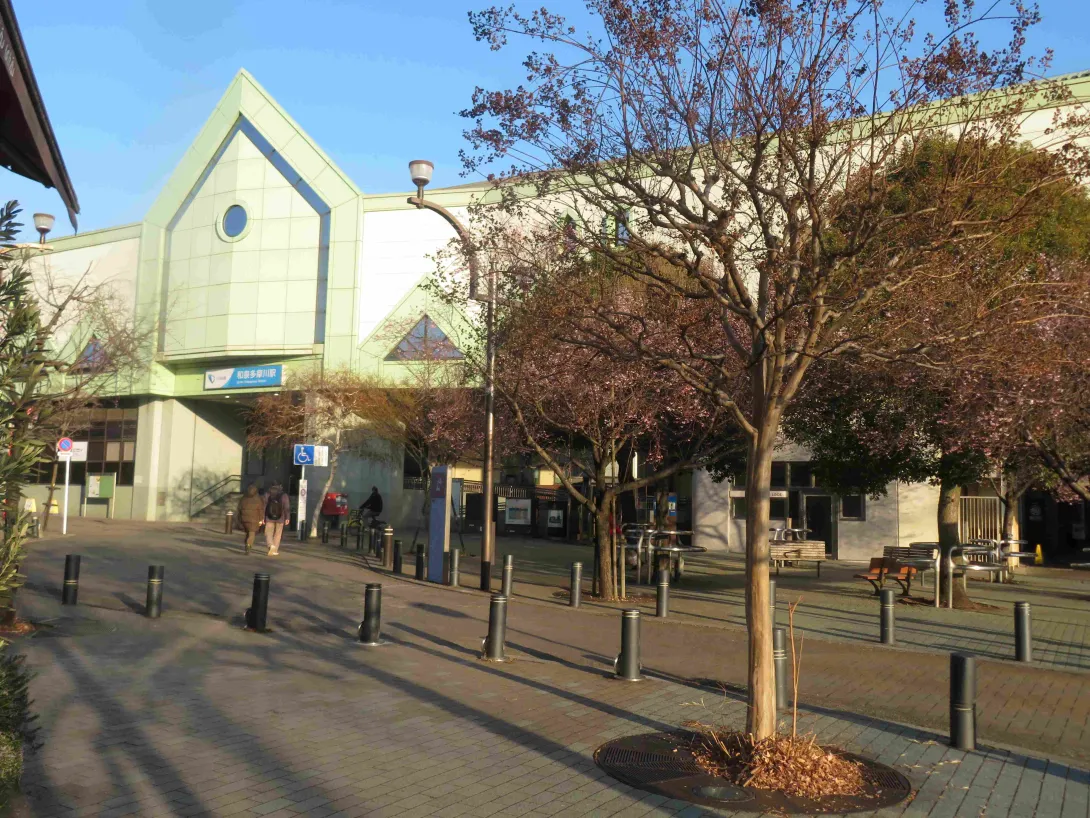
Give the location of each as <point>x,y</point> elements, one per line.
<point>885,568</point>
<point>802,551</point>
<point>915,551</point>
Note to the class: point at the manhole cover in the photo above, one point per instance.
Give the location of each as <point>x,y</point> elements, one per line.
<point>662,763</point>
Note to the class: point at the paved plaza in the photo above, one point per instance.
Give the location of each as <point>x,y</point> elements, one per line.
<point>191,715</point>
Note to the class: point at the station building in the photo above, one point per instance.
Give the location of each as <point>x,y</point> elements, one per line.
<point>260,257</point>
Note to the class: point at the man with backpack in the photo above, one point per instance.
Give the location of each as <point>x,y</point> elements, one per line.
<point>277,510</point>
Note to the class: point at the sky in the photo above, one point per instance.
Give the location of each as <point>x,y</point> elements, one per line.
<point>129,83</point>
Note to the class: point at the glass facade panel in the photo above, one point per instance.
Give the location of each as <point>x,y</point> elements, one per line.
<point>111,446</point>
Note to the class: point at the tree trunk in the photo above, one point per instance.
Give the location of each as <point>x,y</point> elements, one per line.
<point>949,515</point>
<point>604,554</point>
<point>325,490</point>
<point>761,719</point>
<point>49,498</point>
<point>1010,513</point>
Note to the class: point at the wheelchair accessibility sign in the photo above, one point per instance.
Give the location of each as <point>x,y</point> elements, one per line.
<point>307,454</point>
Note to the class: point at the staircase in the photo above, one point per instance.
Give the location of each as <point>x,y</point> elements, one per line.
<point>215,501</point>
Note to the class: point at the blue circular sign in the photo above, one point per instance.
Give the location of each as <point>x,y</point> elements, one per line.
<point>64,444</point>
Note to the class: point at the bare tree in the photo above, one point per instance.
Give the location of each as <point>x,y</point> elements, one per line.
<point>755,155</point>
<point>324,408</point>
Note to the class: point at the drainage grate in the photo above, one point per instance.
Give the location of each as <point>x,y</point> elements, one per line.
<point>663,764</point>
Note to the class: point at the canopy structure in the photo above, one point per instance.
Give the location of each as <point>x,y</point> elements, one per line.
<point>27,144</point>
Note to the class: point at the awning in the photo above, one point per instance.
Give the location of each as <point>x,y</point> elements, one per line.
<point>27,144</point>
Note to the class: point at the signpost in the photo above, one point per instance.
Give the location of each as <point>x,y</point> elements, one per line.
<point>244,377</point>
<point>307,454</point>
<point>439,528</point>
<point>69,450</point>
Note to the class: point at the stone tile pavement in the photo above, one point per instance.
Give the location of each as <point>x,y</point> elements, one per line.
<point>837,606</point>
<point>190,715</point>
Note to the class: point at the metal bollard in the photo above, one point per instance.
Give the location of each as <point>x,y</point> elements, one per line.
<point>420,562</point>
<point>359,536</point>
<point>257,615</point>
<point>497,628</point>
<point>662,602</point>
<point>887,633</point>
<point>1023,633</point>
<point>576,593</point>
<point>344,533</point>
<point>452,579</point>
<point>371,626</point>
<point>229,523</point>
<point>388,547</point>
<point>154,604</point>
<point>508,575</point>
<point>779,662</point>
<point>325,532</point>
<point>772,599</point>
<point>70,590</point>
<point>628,660</point>
<point>962,701</point>
<point>397,557</point>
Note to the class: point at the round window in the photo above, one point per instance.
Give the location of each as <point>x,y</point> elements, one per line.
<point>234,221</point>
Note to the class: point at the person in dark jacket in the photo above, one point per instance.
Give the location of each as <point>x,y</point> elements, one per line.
<point>251,513</point>
<point>373,503</point>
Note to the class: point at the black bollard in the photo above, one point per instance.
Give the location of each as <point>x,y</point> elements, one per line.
<point>388,547</point>
<point>662,602</point>
<point>229,523</point>
<point>772,599</point>
<point>575,595</point>
<point>497,628</point>
<point>962,701</point>
<point>70,590</point>
<point>628,660</point>
<point>887,633</point>
<point>779,662</point>
<point>452,579</point>
<point>359,536</point>
<point>154,605</point>
<point>508,575</point>
<point>397,556</point>
<point>371,626</point>
<point>420,562</point>
<point>344,534</point>
<point>257,615</point>
<point>1023,633</point>
<point>325,532</point>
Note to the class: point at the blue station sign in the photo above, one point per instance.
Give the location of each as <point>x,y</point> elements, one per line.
<point>244,377</point>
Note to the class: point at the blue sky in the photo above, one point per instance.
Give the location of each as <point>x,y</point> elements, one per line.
<point>128,83</point>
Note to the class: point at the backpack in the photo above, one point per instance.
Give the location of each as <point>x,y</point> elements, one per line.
<point>274,509</point>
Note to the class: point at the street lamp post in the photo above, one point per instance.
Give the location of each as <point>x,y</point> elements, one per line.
<point>421,170</point>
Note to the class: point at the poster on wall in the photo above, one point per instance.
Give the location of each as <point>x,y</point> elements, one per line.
<point>556,518</point>
<point>518,512</point>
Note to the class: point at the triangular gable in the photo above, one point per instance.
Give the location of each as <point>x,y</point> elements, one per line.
<point>247,99</point>
<point>425,342</point>
<point>420,302</point>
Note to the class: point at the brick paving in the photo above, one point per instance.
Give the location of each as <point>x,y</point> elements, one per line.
<point>837,606</point>
<point>190,715</point>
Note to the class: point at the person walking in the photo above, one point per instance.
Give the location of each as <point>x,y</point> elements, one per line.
<point>277,509</point>
<point>251,513</point>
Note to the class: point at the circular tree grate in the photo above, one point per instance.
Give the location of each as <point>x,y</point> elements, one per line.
<point>662,763</point>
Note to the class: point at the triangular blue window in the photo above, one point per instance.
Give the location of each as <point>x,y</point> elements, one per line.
<point>92,358</point>
<point>425,342</point>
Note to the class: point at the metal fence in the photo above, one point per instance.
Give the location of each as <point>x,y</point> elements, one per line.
<point>981,518</point>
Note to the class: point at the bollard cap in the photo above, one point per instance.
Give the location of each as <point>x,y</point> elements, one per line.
<point>577,565</point>
<point>261,576</point>
<point>631,613</point>
<point>1021,605</point>
<point>374,586</point>
<point>499,599</point>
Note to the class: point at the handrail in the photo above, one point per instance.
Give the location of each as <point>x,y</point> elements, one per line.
<point>215,487</point>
